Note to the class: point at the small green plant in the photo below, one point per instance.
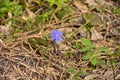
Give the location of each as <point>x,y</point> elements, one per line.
<point>8,6</point>
<point>30,24</point>
<point>116,10</point>
<point>64,11</point>
<point>75,74</point>
<point>44,17</point>
<point>75,45</point>
<point>92,53</point>
<point>51,10</point>
<point>58,3</point>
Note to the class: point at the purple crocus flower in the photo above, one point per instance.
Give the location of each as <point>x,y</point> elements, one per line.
<point>56,36</point>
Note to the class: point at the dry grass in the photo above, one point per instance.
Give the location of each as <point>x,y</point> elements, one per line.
<point>32,55</point>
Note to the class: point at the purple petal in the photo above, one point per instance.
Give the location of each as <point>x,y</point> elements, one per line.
<point>58,40</point>
<point>56,35</point>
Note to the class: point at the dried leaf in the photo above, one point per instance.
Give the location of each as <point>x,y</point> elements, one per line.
<point>92,76</point>
<point>29,14</point>
<point>80,6</point>
<point>118,77</point>
<point>91,2</point>
<point>2,44</point>
<point>4,30</point>
<point>108,75</point>
<point>63,47</point>
<point>67,31</point>
<point>95,35</point>
<point>93,18</point>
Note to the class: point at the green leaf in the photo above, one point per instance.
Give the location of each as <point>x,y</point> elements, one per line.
<point>75,78</point>
<point>94,60</point>
<point>88,26</point>
<point>101,63</point>
<point>56,2</point>
<point>44,17</point>
<point>85,42</point>
<point>87,56</point>
<point>17,10</point>
<point>93,45</point>
<point>75,45</point>
<point>116,10</point>
<point>59,2</point>
<point>87,48</point>
<point>71,70</point>
<point>52,2</point>
<point>81,72</point>
<point>64,11</point>
<point>104,49</point>
<point>9,6</point>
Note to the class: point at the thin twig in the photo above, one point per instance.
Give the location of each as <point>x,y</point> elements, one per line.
<point>112,67</point>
